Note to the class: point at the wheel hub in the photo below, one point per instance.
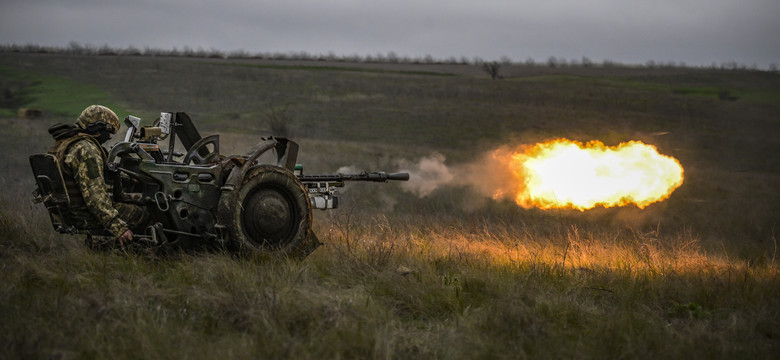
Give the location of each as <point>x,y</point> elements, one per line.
<point>268,215</point>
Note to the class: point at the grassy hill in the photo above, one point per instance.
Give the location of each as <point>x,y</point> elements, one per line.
<point>450,275</point>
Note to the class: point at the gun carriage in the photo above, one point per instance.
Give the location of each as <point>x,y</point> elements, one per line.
<point>206,199</point>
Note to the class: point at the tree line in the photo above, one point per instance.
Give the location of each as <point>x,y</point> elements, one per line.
<point>490,66</point>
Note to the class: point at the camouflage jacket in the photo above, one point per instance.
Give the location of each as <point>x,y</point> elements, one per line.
<point>83,158</point>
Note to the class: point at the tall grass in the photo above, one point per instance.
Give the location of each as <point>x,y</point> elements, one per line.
<point>451,275</point>
<point>379,289</point>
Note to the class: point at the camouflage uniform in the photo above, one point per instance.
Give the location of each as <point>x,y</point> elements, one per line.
<point>83,159</point>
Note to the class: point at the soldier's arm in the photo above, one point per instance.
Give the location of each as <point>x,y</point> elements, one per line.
<point>84,159</point>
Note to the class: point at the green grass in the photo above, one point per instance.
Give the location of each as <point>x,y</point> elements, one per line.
<point>56,96</point>
<point>453,275</point>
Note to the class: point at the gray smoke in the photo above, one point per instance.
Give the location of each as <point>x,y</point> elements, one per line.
<point>426,175</point>
<point>351,169</point>
<point>489,175</point>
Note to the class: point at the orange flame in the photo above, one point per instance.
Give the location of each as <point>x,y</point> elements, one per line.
<point>567,174</point>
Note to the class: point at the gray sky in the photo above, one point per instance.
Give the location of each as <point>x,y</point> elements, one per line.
<point>697,32</point>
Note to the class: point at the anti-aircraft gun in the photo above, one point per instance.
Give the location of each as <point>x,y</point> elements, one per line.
<point>206,199</point>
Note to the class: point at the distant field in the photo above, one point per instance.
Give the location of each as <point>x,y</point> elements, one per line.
<point>450,275</point>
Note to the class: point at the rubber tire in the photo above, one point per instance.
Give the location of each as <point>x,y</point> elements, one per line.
<point>283,189</point>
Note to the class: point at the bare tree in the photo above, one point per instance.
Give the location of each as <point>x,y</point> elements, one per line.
<point>492,69</point>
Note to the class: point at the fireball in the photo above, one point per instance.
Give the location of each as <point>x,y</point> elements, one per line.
<point>567,174</point>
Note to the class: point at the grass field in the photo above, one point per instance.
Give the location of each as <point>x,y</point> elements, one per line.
<point>449,275</point>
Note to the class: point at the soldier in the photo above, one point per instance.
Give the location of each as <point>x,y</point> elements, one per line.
<point>82,157</point>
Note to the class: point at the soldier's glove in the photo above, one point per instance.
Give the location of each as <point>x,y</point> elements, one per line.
<point>125,238</point>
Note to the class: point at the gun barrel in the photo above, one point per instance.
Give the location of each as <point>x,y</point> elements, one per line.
<point>364,176</point>
<point>398,176</point>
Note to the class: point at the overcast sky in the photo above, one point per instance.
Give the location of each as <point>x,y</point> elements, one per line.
<point>697,32</point>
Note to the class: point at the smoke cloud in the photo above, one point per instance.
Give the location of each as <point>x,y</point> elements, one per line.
<point>351,169</point>
<point>426,175</point>
<point>487,175</point>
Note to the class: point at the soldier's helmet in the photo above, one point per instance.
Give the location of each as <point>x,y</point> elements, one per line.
<point>98,113</point>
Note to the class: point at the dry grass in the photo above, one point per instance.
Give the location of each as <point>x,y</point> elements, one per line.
<point>452,275</point>
<point>379,289</point>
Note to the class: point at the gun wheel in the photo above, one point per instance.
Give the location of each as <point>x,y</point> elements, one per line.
<point>272,211</point>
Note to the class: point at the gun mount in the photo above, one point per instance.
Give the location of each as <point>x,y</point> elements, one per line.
<point>207,199</point>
